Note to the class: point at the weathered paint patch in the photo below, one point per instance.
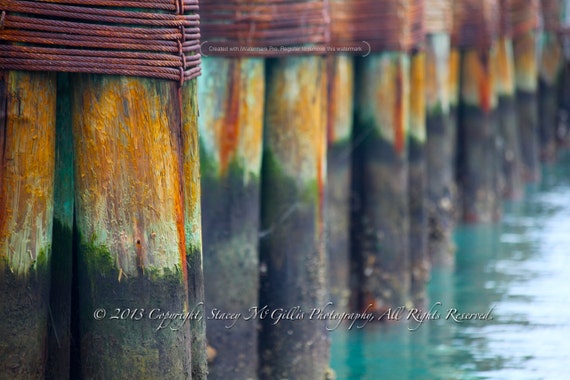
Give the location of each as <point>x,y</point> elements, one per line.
<point>417,97</point>
<point>27,133</point>
<point>505,68</point>
<point>235,133</point>
<point>526,65</point>
<point>384,100</point>
<point>128,170</point>
<point>341,100</point>
<point>437,73</point>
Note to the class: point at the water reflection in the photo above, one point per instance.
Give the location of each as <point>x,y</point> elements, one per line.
<point>521,268</point>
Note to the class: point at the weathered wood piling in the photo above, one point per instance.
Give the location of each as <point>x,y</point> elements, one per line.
<point>417,161</point>
<point>130,219</point>
<point>338,190</point>
<point>511,184</point>
<point>524,19</point>
<point>292,244</point>
<point>381,224</point>
<point>231,143</point>
<point>129,140</point>
<point>475,33</point>
<point>27,162</point>
<point>440,130</point>
<point>551,63</point>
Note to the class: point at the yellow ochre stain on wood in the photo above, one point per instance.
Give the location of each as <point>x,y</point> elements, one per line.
<point>505,71</point>
<point>128,170</point>
<point>341,95</point>
<point>27,168</point>
<point>477,86</point>
<point>453,79</point>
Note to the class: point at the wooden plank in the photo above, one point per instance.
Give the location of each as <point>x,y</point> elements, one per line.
<point>27,162</point>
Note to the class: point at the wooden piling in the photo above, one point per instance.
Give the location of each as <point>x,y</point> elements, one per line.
<point>382,115</point>
<point>130,210</point>
<point>551,62</point>
<point>231,94</point>
<point>478,128</point>
<point>417,177</point>
<point>292,246</point>
<point>27,162</point>
<point>440,129</point>
<point>59,321</point>
<point>477,169</point>
<point>338,197</point>
<point>524,24</point>
<point>510,159</point>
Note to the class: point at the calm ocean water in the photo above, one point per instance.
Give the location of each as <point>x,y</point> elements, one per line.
<point>519,268</point>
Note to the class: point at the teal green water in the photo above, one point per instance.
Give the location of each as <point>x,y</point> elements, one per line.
<point>519,268</point>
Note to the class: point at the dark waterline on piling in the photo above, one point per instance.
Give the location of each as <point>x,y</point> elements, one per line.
<point>519,267</point>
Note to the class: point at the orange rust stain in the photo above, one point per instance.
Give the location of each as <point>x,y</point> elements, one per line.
<point>27,166</point>
<point>230,130</point>
<point>399,117</point>
<point>485,83</point>
<point>431,78</point>
<point>417,94</point>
